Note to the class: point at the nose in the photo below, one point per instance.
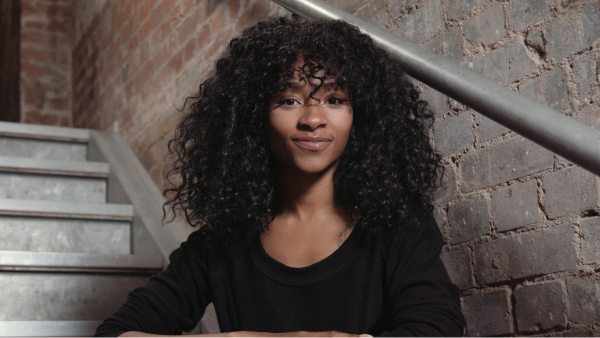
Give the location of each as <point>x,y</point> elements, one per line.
<point>313,116</point>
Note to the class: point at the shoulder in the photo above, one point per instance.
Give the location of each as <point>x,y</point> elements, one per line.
<point>420,229</point>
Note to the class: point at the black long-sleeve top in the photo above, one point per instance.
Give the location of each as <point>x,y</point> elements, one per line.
<point>391,285</point>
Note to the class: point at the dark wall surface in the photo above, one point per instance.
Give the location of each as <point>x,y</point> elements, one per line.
<point>10,27</point>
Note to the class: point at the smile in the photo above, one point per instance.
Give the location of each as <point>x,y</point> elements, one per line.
<point>312,143</point>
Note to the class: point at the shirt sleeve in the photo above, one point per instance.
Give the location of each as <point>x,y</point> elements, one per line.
<point>171,302</point>
<point>423,301</point>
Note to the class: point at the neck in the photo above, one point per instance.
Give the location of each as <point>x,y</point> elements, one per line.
<point>307,195</point>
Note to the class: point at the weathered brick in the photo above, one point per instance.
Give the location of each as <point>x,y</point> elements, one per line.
<point>373,12</point>
<point>456,9</point>
<point>488,314</point>
<point>347,5</point>
<point>526,254</point>
<point>535,39</point>
<point>550,89</point>
<point>573,31</point>
<point>436,101</point>
<point>571,190</point>
<point>458,265</point>
<point>590,115</point>
<point>506,161</point>
<point>486,27</point>
<point>448,189</point>
<point>422,23</point>
<point>515,206</point>
<point>586,73</point>
<point>541,306</point>
<point>488,129</point>
<point>439,214</point>
<point>447,44</point>
<point>505,64</point>
<point>468,219</point>
<point>523,13</point>
<point>584,300</point>
<point>589,228</point>
<point>453,133</point>
<point>398,7</point>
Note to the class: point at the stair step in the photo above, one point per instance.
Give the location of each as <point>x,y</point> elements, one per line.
<point>52,188</point>
<point>53,167</point>
<point>118,212</point>
<point>77,262</point>
<point>69,328</point>
<point>65,235</point>
<point>64,296</point>
<point>44,132</point>
<point>42,149</point>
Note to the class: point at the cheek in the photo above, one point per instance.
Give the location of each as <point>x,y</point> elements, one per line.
<point>277,130</point>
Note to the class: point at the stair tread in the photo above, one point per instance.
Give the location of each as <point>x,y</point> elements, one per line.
<point>77,261</point>
<point>44,132</point>
<point>55,167</point>
<point>35,208</point>
<point>72,328</point>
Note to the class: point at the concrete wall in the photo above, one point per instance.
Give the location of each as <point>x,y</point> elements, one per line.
<point>134,62</point>
<point>45,79</point>
<point>521,224</point>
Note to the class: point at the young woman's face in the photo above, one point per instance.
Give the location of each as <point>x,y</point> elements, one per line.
<point>309,133</point>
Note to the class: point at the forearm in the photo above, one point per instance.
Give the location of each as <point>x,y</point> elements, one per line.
<point>143,334</point>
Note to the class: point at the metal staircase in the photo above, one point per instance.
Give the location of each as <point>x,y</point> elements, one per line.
<point>81,227</point>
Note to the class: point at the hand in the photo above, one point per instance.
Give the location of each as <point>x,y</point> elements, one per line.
<point>295,334</point>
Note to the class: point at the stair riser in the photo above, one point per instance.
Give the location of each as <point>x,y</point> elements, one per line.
<point>43,149</point>
<point>64,235</point>
<point>46,296</point>
<point>52,188</point>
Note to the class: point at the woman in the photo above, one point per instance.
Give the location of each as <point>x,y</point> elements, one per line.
<point>306,162</point>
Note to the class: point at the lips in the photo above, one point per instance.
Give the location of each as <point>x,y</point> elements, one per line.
<point>312,143</point>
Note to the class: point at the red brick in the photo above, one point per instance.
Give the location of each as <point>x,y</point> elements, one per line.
<point>34,38</point>
<point>252,15</point>
<point>189,50</point>
<point>35,25</point>
<point>161,11</point>
<point>57,26</point>
<point>217,22</point>
<point>234,7</point>
<point>37,118</point>
<point>145,8</point>
<point>29,70</point>
<point>34,55</point>
<point>59,11</point>
<point>190,25</point>
<point>65,121</point>
<point>29,7</point>
<point>123,16</point>
<point>34,101</point>
<point>59,104</point>
<point>203,36</point>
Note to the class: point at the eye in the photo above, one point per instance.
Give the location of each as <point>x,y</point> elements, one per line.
<point>335,101</point>
<point>286,102</point>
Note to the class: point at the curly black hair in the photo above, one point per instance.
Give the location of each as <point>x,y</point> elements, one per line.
<point>222,162</point>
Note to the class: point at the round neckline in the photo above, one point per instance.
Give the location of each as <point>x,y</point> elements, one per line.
<point>313,273</point>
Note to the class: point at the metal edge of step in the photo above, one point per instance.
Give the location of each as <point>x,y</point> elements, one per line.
<point>65,328</point>
<point>56,209</point>
<point>53,167</point>
<point>78,262</point>
<point>24,130</point>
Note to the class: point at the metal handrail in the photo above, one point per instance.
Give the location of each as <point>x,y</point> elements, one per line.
<point>547,127</point>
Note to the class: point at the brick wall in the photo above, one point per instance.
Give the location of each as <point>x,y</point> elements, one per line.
<point>45,80</point>
<point>134,62</point>
<point>521,224</point>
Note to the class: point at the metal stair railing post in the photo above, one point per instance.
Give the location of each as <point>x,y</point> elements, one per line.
<point>547,127</point>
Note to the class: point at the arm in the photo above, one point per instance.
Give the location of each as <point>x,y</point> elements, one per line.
<point>171,302</point>
<point>423,301</point>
